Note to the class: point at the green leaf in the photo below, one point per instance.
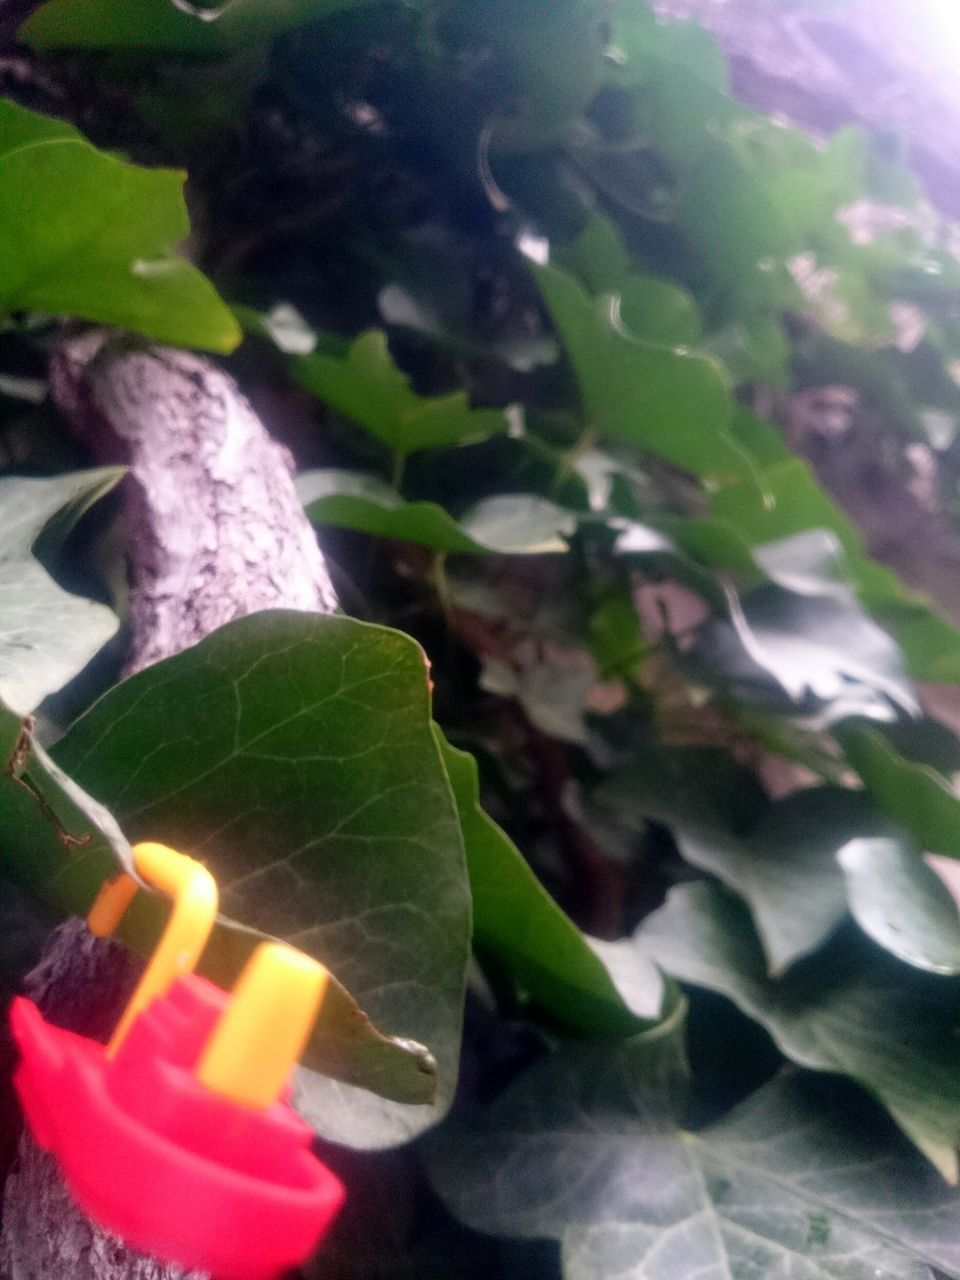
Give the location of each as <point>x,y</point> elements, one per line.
<point>59,816</point>
<point>552,689</point>
<point>786,870</point>
<point>367,386</point>
<point>918,798</point>
<point>679,548</point>
<point>722,206</point>
<point>901,903</point>
<point>780,857</point>
<point>786,500</point>
<point>519,927</point>
<point>294,754</point>
<point>852,1010</point>
<point>598,256</point>
<point>555,56</point>
<point>651,309</point>
<point>657,311</point>
<point>642,38</point>
<point>804,1179</point>
<point>47,634</point>
<point>164,27</point>
<point>85,234</point>
<point>808,635</point>
<point>752,349</point>
<point>59,844</point>
<point>789,501</point>
<point>617,643</point>
<point>665,401</point>
<point>509,524</point>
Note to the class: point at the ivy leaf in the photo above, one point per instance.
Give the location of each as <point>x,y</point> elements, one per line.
<point>788,500</point>
<point>780,857</point>
<point>656,311</point>
<point>555,52</point>
<point>59,844</point>
<point>786,867</point>
<point>666,401</point>
<point>720,203</point>
<point>367,386</point>
<point>803,1179</point>
<point>519,927</point>
<point>918,798</point>
<point>294,755</point>
<point>902,903</point>
<point>47,634</point>
<point>60,816</point>
<point>598,256</point>
<point>508,524</point>
<point>852,1010</point>
<point>553,689</point>
<point>810,635</point>
<point>85,234</point>
<point>652,309</point>
<point>644,40</point>
<point>50,825</point>
<point>163,27</point>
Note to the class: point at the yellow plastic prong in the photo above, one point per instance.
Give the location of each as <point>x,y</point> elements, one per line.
<point>194,893</point>
<point>260,1036</point>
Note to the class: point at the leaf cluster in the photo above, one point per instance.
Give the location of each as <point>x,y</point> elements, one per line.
<point>523,276</point>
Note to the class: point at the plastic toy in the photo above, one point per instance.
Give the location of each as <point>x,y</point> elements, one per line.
<point>177,1136</point>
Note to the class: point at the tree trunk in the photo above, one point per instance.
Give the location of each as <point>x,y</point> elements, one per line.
<point>215,531</point>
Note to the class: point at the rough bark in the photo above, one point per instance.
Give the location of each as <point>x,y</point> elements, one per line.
<point>215,531</point>
<point>215,526</point>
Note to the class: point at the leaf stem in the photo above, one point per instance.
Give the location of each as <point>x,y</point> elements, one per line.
<point>585,442</point>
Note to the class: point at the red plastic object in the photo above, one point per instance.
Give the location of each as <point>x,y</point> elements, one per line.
<point>149,1153</point>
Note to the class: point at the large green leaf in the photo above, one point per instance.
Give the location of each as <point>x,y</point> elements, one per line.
<point>59,844</point>
<point>367,386</point>
<point>916,796</point>
<point>851,1009</point>
<point>294,754</point>
<point>164,27</point>
<point>509,524</point>
<point>808,634</point>
<point>664,400</point>
<point>652,309</point>
<point>554,56</point>
<point>901,903</point>
<point>520,929</point>
<point>803,1180</point>
<point>716,196</point>
<point>46,634</point>
<point>780,857</point>
<point>85,234</point>
<point>786,501</point>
